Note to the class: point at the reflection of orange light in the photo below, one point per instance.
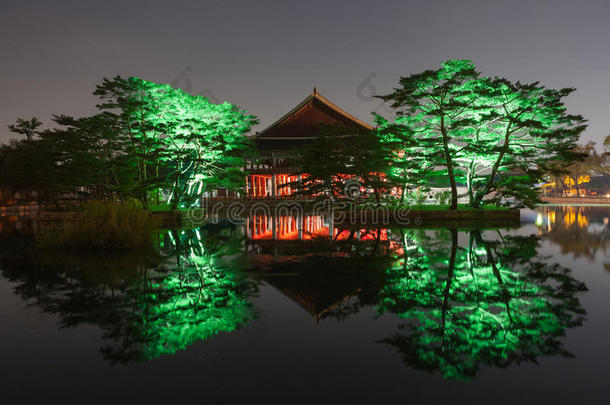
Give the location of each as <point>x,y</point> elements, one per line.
<point>286,227</point>
<point>569,217</point>
<point>260,227</point>
<point>312,226</point>
<point>396,247</point>
<point>372,235</point>
<point>574,216</point>
<point>582,220</point>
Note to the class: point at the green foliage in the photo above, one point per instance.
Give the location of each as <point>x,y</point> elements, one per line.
<point>497,137</point>
<point>180,142</point>
<point>343,162</point>
<point>443,206</point>
<point>30,165</point>
<point>443,197</point>
<point>492,302</point>
<point>147,305</point>
<point>434,117</point>
<point>466,300</point>
<point>105,227</point>
<point>26,127</point>
<point>149,141</point>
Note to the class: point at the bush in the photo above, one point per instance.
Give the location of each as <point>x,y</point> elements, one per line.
<point>443,197</point>
<point>105,226</point>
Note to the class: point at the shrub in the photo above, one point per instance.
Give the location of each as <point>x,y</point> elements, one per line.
<point>105,226</point>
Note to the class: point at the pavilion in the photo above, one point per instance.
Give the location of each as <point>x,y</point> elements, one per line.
<point>277,144</point>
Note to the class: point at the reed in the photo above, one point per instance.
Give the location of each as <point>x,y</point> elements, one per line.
<point>104,226</point>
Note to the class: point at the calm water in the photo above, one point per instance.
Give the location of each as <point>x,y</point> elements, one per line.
<point>271,311</point>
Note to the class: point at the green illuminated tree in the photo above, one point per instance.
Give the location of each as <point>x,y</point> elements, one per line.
<point>205,145</point>
<point>181,142</point>
<point>407,167</point>
<point>436,110</point>
<point>527,130</point>
<point>497,137</point>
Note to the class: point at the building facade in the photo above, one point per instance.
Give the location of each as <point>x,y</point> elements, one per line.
<point>278,143</point>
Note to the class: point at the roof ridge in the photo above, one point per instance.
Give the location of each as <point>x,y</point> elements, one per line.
<point>341,111</point>
<point>315,94</point>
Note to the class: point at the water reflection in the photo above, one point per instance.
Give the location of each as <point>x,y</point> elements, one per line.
<point>466,299</point>
<point>489,302</point>
<point>582,231</point>
<point>147,305</point>
<point>314,234</point>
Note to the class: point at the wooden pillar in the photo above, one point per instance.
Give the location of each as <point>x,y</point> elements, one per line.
<point>300,226</point>
<point>278,181</point>
<point>273,184</point>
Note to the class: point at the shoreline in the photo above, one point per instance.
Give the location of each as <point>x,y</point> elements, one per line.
<point>576,200</point>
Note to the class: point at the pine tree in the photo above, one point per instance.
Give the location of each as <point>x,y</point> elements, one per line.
<point>435,113</point>
<point>531,130</point>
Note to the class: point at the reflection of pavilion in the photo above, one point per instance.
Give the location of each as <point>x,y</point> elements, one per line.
<point>296,234</point>
<point>285,227</point>
<point>322,267</point>
<point>315,299</point>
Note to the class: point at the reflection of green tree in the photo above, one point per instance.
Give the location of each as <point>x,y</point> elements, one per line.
<point>152,310</point>
<point>490,303</point>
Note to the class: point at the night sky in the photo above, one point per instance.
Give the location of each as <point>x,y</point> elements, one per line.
<point>267,56</point>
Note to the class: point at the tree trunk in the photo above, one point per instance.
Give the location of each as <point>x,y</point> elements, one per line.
<point>490,180</point>
<point>454,194</point>
<point>450,271</point>
<point>505,293</point>
<point>469,184</point>
<point>449,162</point>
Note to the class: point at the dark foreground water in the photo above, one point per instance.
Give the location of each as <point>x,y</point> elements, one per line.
<point>273,311</point>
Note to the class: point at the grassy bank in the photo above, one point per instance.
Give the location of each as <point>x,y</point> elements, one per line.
<point>443,207</point>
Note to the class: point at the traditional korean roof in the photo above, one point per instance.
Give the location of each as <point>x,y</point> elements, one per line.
<point>303,121</point>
